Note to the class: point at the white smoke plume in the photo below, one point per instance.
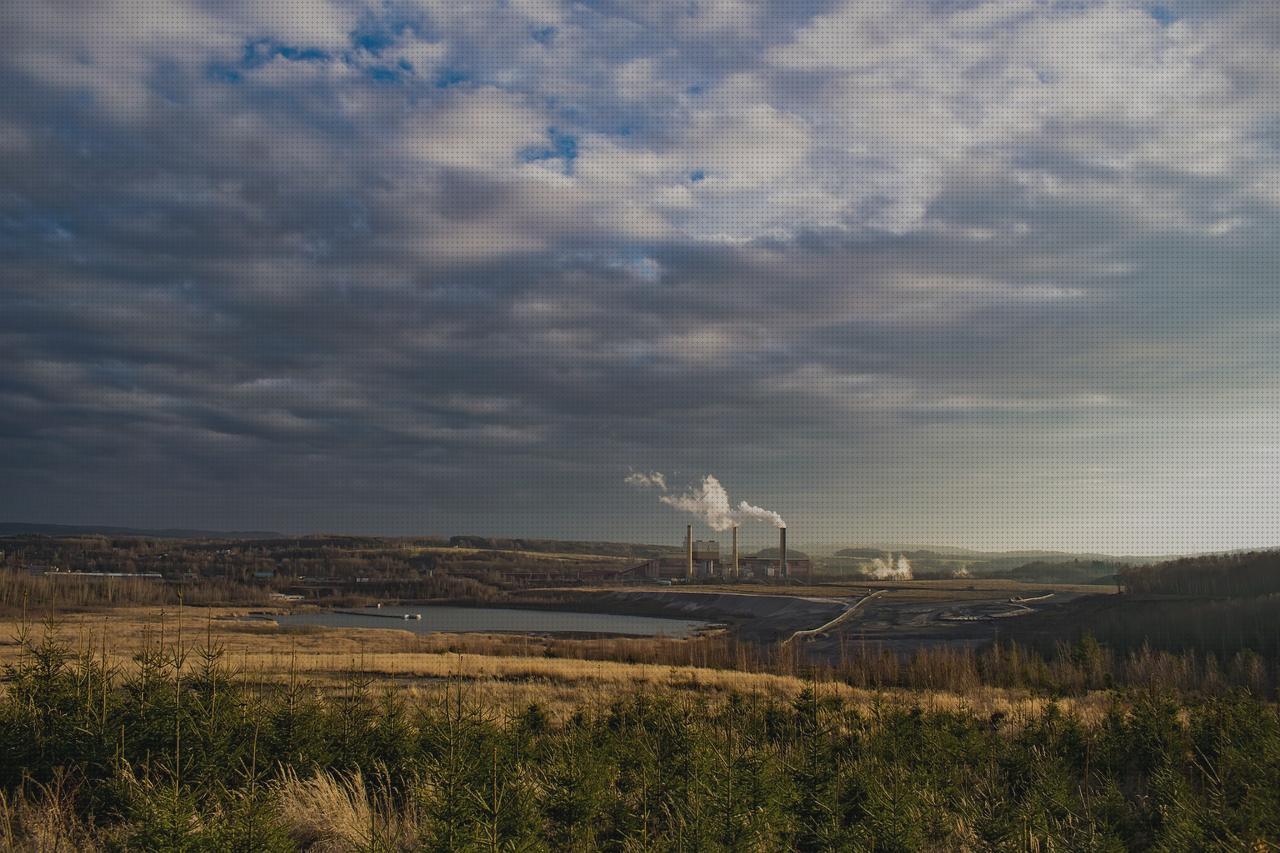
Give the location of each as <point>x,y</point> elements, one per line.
<point>652,479</point>
<point>708,501</point>
<point>747,511</point>
<point>889,569</point>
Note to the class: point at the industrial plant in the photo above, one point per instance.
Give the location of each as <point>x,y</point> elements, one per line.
<point>703,560</point>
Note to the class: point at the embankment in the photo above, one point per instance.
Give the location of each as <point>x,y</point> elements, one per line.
<point>756,617</point>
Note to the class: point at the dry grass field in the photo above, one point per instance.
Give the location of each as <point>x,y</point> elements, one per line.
<point>506,672</point>
<point>324,738</point>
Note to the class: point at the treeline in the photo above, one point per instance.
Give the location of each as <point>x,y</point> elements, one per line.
<point>336,557</point>
<point>1222,626</point>
<point>182,755</point>
<point>565,546</point>
<point>1223,575</point>
<point>21,590</point>
<point>1065,669</point>
<point>327,557</point>
<point>493,565</point>
<point>1043,566</point>
<point>1068,571</point>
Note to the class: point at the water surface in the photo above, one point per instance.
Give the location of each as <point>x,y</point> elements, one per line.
<point>459,620</point>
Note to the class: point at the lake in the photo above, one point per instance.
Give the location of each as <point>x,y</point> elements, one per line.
<point>460,620</point>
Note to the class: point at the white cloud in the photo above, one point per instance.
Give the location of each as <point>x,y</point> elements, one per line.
<point>484,130</point>
<point>893,102</point>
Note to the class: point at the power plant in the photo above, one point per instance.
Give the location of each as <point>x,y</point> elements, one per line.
<point>702,559</point>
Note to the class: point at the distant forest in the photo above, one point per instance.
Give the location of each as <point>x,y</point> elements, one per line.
<point>1215,576</point>
<point>1217,604</point>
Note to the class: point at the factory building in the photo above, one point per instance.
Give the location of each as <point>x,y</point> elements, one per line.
<point>702,559</point>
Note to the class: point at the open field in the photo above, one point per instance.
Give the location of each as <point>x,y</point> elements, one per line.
<point>906,616</point>
<point>374,740</point>
<point>504,671</point>
<point>907,589</point>
<point>888,727</point>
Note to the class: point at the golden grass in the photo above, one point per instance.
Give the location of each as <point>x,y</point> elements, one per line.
<point>335,812</point>
<point>44,821</point>
<point>503,677</point>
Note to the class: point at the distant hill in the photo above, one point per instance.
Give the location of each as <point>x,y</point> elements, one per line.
<point>565,546</point>
<point>1255,573</point>
<point>996,561</point>
<point>1223,604</point>
<point>21,528</point>
<point>773,553</point>
<point>1069,571</point>
<point>1028,565</point>
<point>1015,558</point>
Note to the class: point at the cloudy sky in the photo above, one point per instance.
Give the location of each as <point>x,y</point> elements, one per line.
<point>996,274</point>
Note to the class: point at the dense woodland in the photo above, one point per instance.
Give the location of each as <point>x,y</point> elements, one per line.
<point>412,563</point>
<point>1219,604</point>
<point>322,555</point>
<point>1218,626</point>
<point>1218,576</point>
<point>494,561</point>
<point>20,590</point>
<point>182,755</point>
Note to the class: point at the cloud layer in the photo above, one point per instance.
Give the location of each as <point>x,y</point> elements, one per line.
<point>995,273</point>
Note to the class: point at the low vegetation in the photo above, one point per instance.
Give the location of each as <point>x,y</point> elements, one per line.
<point>1140,721</point>
<point>1060,669</point>
<point>181,753</point>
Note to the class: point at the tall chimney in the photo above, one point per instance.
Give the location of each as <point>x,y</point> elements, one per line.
<point>688,551</point>
<point>782,552</point>
<point>735,551</point>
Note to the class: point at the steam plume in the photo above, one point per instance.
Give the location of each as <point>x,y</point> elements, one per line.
<point>888,569</point>
<point>708,501</point>
<point>747,511</point>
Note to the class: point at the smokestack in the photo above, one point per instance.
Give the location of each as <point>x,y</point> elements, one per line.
<point>782,552</point>
<point>688,550</point>
<point>735,551</point>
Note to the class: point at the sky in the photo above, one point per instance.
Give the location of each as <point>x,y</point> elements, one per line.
<point>994,274</point>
